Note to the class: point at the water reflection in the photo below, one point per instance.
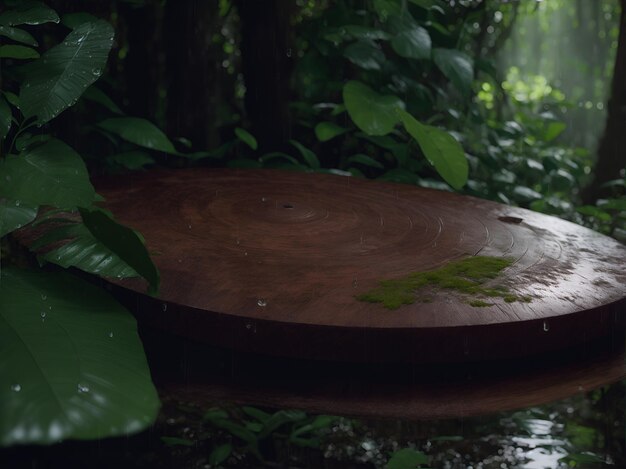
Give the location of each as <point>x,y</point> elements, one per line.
<point>554,412</point>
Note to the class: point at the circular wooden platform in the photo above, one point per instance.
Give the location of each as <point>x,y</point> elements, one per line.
<point>272,262</point>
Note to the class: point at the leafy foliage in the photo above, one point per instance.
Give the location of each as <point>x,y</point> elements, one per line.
<point>72,364</point>
<point>63,73</point>
<point>48,174</point>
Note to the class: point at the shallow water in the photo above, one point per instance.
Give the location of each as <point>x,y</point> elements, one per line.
<point>547,412</point>
<point>585,430</point>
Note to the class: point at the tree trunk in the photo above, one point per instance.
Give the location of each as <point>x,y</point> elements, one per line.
<point>612,151</point>
<point>141,66</point>
<point>267,63</point>
<point>193,69</point>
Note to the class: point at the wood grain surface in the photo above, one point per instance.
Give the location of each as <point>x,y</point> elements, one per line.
<point>271,262</point>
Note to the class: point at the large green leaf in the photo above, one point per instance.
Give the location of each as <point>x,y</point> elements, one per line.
<point>325,131</point>
<point>18,35</point>
<point>48,174</point>
<point>387,8</point>
<point>412,43</point>
<point>124,242</point>
<point>373,113</point>
<point>6,118</point>
<point>13,51</point>
<point>28,12</point>
<point>71,362</point>
<point>365,54</point>
<point>140,132</point>
<point>552,130</point>
<point>99,245</point>
<point>440,149</point>
<point>55,81</point>
<point>14,215</point>
<point>456,66</point>
<point>82,251</point>
<point>307,155</point>
<point>410,40</point>
<point>246,137</point>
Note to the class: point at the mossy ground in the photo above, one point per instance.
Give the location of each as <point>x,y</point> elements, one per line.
<point>466,277</point>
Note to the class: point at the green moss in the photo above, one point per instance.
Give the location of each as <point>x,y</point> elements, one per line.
<point>465,277</point>
<point>479,303</point>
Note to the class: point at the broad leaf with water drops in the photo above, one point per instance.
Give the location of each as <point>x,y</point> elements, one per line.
<point>71,362</point>
<point>55,81</point>
<point>48,174</point>
<point>99,245</point>
<point>14,215</point>
<point>411,40</point>
<point>18,35</point>
<point>6,118</point>
<point>28,12</point>
<point>13,51</point>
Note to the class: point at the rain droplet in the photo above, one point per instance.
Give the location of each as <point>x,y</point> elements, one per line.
<point>189,226</point>
<point>263,199</point>
<point>16,387</point>
<point>262,302</point>
<point>96,72</point>
<point>289,52</point>
<point>111,335</point>
<point>82,388</point>
<point>42,314</point>
<point>44,297</point>
<point>354,283</point>
<point>245,253</point>
<point>17,203</point>
<point>546,326</point>
<point>164,307</point>
<point>248,326</point>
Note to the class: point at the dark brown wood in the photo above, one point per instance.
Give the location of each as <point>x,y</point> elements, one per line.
<point>467,395</point>
<point>270,262</point>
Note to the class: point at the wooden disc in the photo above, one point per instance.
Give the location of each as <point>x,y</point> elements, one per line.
<point>272,262</point>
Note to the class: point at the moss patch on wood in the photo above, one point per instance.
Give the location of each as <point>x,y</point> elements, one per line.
<point>466,277</point>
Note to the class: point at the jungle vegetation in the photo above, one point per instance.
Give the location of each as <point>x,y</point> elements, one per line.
<point>519,102</point>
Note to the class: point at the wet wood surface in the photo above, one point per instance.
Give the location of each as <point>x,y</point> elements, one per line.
<point>271,261</point>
